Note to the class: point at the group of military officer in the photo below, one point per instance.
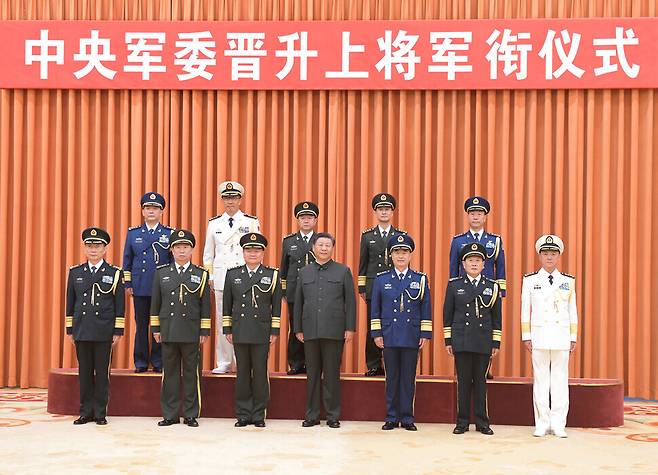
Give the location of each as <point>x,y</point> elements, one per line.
<point>174,293</point>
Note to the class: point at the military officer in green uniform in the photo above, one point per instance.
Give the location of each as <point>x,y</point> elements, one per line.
<point>296,253</point>
<point>324,320</point>
<point>252,307</point>
<point>180,320</point>
<point>373,259</point>
<point>94,322</point>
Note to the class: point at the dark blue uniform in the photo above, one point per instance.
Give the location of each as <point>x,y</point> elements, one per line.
<point>402,315</point>
<point>143,252</point>
<point>494,264</point>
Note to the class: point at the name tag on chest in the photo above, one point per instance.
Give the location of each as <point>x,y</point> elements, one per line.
<point>139,240</point>
<point>388,286</point>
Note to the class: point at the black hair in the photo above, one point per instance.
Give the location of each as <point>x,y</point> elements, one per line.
<point>329,236</point>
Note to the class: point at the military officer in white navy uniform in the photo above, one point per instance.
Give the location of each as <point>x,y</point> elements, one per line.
<point>549,329</point>
<point>401,324</point>
<point>221,252</point>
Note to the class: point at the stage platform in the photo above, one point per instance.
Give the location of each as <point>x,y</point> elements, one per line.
<point>593,402</point>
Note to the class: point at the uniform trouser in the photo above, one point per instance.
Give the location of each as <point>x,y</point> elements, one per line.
<point>323,357</point>
<point>471,378</point>
<point>224,356</point>
<point>94,358</point>
<point>142,335</point>
<point>252,385</point>
<point>373,352</point>
<point>296,358</point>
<point>175,356</point>
<point>400,364</point>
<point>551,383</point>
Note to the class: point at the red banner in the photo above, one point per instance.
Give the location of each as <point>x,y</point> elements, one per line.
<point>433,54</point>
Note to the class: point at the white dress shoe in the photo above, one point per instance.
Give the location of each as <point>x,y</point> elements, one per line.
<point>539,433</point>
<point>220,370</point>
<point>560,433</point>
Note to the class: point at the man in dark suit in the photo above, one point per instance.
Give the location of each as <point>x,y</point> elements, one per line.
<point>325,318</point>
<point>252,307</point>
<point>180,321</point>
<point>472,328</point>
<point>374,258</point>
<point>296,253</point>
<point>94,322</point>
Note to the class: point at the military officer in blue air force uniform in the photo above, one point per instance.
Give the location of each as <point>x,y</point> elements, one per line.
<point>147,246</point>
<point>94,322</point>
<point>401,324</point>
<point>472,328</point>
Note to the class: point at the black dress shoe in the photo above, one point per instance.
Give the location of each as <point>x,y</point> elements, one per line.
<point>191,421</point>
<point>101,421</point>
<point>82,420</point>
<point>390,425</point>
<point>241,423</point>
<point>371,372</point>
<point>300,370</point>
<point>381,372</point>
<point>168,422</point>
<point>141,370</point>
<point>157,370</point>
<point>308,423</point>
<point>259,424</point>
<point>334,424</point>
<point>486,430</point>
<point>459,430</point>
<point>411,426</point>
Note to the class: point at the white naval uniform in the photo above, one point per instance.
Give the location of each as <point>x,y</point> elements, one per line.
<point>550,320</point>
<point>221,252</point>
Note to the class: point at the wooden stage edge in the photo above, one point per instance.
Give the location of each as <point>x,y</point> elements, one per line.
<point>593,402</point>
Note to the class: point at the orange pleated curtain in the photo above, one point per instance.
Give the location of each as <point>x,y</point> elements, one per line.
<point>577,163</point>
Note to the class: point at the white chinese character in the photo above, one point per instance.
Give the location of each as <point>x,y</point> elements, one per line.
<point>546,52</point>
<point>290,53</point>
<point>619,43</point>
<point>446,58</point>
<point>44,56</point>
<point>246,51</point>
<point>140,53</point>
<point>513,56</point>
<point>404,54</point>
<point>94,50</point>
<point>193,46</point>
<point>347,49</point>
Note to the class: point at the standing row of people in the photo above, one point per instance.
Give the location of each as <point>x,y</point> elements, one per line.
<point>173,296</point>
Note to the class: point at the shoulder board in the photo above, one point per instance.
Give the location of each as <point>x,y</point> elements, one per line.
<point>569,275</point>
<point>77,265</point>
<point>270,268</point>
<point>199,267</point>
<point>417,272</point>
<point>113,266</point>
<point>459,235</point>
<point>383,272</point>
<point>455,278</point>
<point>401,230</point>
<point>289,235</point>
<point>163,265</point>
<point>530,274</point>
<point>132,228</point>
<point>166,226</point>
<point>493,234</point>
<point>250,216</point>
<point>215,217</point>
<point>368,230</point>
<point>233,268</point>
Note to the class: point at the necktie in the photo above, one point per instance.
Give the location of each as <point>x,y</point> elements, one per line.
<point>384,233</point>
<point>230,222</point>
<point>180,270</point>
<point>401,276</point>
<point>550,279</point>
<point>251,274</point>
<point>151,231</point>
<point>305,239</point>
<point>93,270</point>
<point>476,236</point>
<point>475,283</point>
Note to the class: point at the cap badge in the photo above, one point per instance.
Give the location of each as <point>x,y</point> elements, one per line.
<point>93,232</point>
<point>400,239</point>
<point>152,196</point>
<point>549,240</point>
<point>474,247</point>
<point>181,234</point>
<point>305,206</point>
<point>229,186</point>
<point>383,197</point>
<point>253,237</point>
<point>476,201</point>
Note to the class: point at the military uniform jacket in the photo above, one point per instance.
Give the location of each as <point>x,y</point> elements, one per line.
<point>180,305</point>
<point>252,306</point>
<point>295,254</point>
<point>373,257</point>
<point>549,317</point>
<point>401,310</point>
<point>494,264</point>
<point>472,317</point>
<point>325,301</point>
<point>222,250</point>
<point>142,253</point>
<point>94,303</point>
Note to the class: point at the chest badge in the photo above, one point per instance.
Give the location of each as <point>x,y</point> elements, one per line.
<point>195,279</point>
<point>388,286</point>
<point>461,291</point>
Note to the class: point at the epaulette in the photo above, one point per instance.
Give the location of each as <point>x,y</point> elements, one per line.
<point>270,268</point>
<point>368,230</point>
<point>459,235</point>
<point>383,272</point>
<point>289,235</point>
<point>401,231</point>
<point>163,265</point>
<point>168,227</point>
<point>233,268</point>
<point>77,265</point>
<point>492,234</point>
<point>132,228</point>
<point>249,216</point>
<point>112,265</point>
<point>569,275</point>
<point>215,217</point>
<point>530,274</point>
<point>455,278</point>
